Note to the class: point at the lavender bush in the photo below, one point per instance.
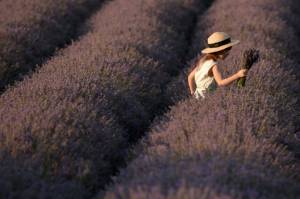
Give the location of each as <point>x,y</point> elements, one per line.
<point>275,77</point>
<point>71,121</point>
<point>31,30</point>
<point>181,192</point>
<point>237,143</point>
<point>189,153</point>
<point>30,185</point>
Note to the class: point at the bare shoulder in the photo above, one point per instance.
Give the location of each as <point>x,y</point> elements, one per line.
<point>196,68</point>
<point>192,73</point>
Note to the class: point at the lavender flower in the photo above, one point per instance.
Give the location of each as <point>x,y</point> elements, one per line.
<point>250,57</point>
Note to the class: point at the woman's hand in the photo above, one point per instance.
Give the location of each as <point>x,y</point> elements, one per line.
<point>242,72</point>
<point>192,92</point>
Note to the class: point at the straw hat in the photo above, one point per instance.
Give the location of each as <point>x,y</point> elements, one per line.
<point>219,41</point>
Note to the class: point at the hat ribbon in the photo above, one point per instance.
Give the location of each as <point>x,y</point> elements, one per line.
<point>221,43</point>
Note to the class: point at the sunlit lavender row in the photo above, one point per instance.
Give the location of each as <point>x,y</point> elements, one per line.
<point>68,126</point>
<point>273,84</point>
<point>237,143</point>
<point>31,30</point>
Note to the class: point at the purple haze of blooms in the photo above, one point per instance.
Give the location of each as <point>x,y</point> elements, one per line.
<point>273,83</point>
<point>233,142</point>
<point>31,30</point>
<point>68,124</point>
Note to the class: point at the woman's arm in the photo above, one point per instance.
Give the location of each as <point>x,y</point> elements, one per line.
<point>191,81</point>
<point>229,80</point>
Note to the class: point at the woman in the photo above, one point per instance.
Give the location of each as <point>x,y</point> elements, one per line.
<point>206,74</point>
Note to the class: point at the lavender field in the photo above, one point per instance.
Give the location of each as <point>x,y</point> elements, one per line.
<point>31,30</point>
<point>110,116</point>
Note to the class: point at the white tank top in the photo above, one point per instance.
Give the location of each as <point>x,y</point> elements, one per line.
<point>203,81</point>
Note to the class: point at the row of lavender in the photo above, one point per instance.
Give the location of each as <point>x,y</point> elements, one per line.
<point>232,144</point>
<point>65,129</point>
<point>32,29</point>
<point>277,76</point>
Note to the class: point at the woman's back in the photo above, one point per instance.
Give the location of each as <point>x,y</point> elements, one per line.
<point>202,78</point>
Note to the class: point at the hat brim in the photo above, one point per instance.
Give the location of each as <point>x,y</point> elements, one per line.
<point>212,50</point>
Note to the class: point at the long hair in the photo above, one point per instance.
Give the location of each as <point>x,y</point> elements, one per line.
<point>202,58</point>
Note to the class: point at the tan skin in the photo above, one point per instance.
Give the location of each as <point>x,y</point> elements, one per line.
<point>214,72</point>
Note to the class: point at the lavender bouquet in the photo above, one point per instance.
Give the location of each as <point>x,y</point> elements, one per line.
<point>250,56</point>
